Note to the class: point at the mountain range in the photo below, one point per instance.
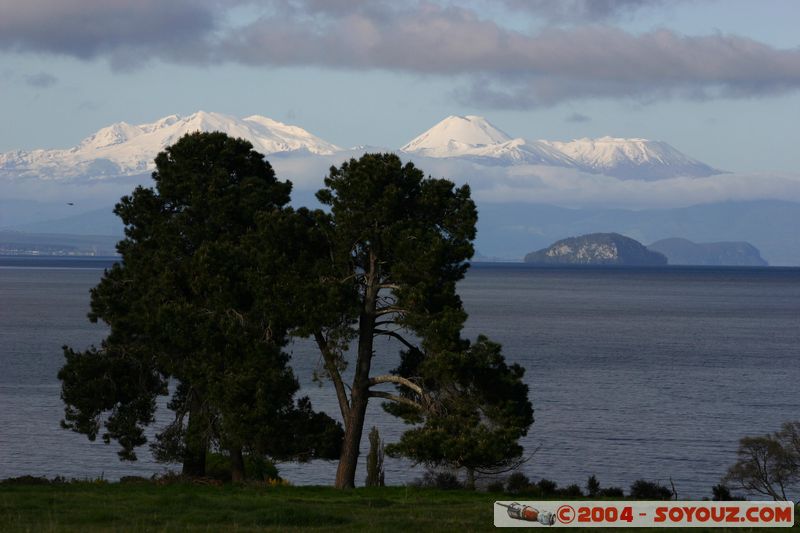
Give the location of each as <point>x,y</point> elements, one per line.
<point>474,138</point>
<point>124,149</point>
<point>530,193</point>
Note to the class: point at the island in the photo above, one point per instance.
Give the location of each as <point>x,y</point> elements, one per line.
<point>597,249</point>
<point>685,252</point>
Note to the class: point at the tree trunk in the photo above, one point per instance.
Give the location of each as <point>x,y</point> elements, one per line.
<point>194,463</point>
<point>194,459</point>
<point>359,395</point>
<point>237,465</point>
<point>354,427</point>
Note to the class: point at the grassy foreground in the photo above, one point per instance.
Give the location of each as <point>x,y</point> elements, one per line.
<point>182,506</point>
<point>145,506</point>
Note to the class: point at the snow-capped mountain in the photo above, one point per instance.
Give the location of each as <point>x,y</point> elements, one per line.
<point>476,139</point>
<point>125,149</point>
<point>455,136</point>
<point>632,158</point>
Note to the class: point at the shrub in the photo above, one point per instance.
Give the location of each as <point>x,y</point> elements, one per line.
<point>134,480</point>
<point>218,466</point>
<point>592,486</point>
<point>495,486</point>
<point>721,493</point>
<point>649,490</point>
<point>572,491</point>
<point>438,480</point>
<point>517,482</point>
<point>447,481</point>
<point>25,480</point>
<point>611,492</point>
<point>547,487</point>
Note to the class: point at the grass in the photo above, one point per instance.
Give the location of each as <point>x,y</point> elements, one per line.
<point>186,507</point>
<point>182,506</point>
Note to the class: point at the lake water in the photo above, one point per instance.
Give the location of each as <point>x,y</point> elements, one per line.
<point>634,373</point>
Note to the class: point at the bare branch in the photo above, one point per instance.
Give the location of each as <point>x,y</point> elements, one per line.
<point>389,310</point>
<point>399,380</point>
<point>336,376</point>
<point>395,335</point>
<point>502,469</point>
<point>394,398</point>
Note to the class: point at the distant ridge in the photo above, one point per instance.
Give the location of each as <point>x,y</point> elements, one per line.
<point>685,252</point>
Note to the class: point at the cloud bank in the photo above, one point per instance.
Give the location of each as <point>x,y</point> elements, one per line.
<point>507,68</point>
<point>562,186</point>
<point>572,188</point>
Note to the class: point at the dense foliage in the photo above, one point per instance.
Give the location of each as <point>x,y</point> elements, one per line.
<point>398,244</point>
<point>184,319</point>
<point>216,274</point>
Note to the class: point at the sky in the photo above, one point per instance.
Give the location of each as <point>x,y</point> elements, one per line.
<point>719,80</point>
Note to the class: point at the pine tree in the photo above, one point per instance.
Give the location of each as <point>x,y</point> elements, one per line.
<point>392,249</point>
<point>181,310</point>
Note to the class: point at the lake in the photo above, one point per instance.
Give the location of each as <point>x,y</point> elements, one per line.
<point>634,373</point>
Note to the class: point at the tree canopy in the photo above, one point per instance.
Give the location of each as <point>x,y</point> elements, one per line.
<point>217,273</point>
<point>769,465</point>
<point>477,410</point>
<point>397,244</point>
<point>184,319</point>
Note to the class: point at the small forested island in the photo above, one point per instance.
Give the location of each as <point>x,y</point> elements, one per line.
<point>597,249</point>
<point>685,252</point>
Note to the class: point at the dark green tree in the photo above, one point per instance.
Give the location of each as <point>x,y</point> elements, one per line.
<point>184,317</point>
<point>393,247</point>
<point>478,409</point>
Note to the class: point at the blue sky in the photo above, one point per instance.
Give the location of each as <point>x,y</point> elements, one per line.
<point>717,79</point>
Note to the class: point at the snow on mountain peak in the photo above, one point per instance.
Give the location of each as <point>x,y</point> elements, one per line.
<point>111,135</point>
<point>125,149</point>
<point>632,158</point>
<point>455,136</point>
<point>474,138</point>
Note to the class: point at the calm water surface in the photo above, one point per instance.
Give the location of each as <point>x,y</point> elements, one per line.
<point>634,373</point>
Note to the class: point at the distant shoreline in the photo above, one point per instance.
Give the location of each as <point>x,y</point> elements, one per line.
<point>57,261</point>
<point>658,268</point>
<point>100,262</point>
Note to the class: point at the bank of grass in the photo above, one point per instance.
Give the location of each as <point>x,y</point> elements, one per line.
<point>183,506</point>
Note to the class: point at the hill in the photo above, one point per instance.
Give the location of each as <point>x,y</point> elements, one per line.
<point>597,249</point>
<point>685,252</point>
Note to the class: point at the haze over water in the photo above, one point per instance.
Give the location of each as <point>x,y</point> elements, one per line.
<point>634,373</point>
